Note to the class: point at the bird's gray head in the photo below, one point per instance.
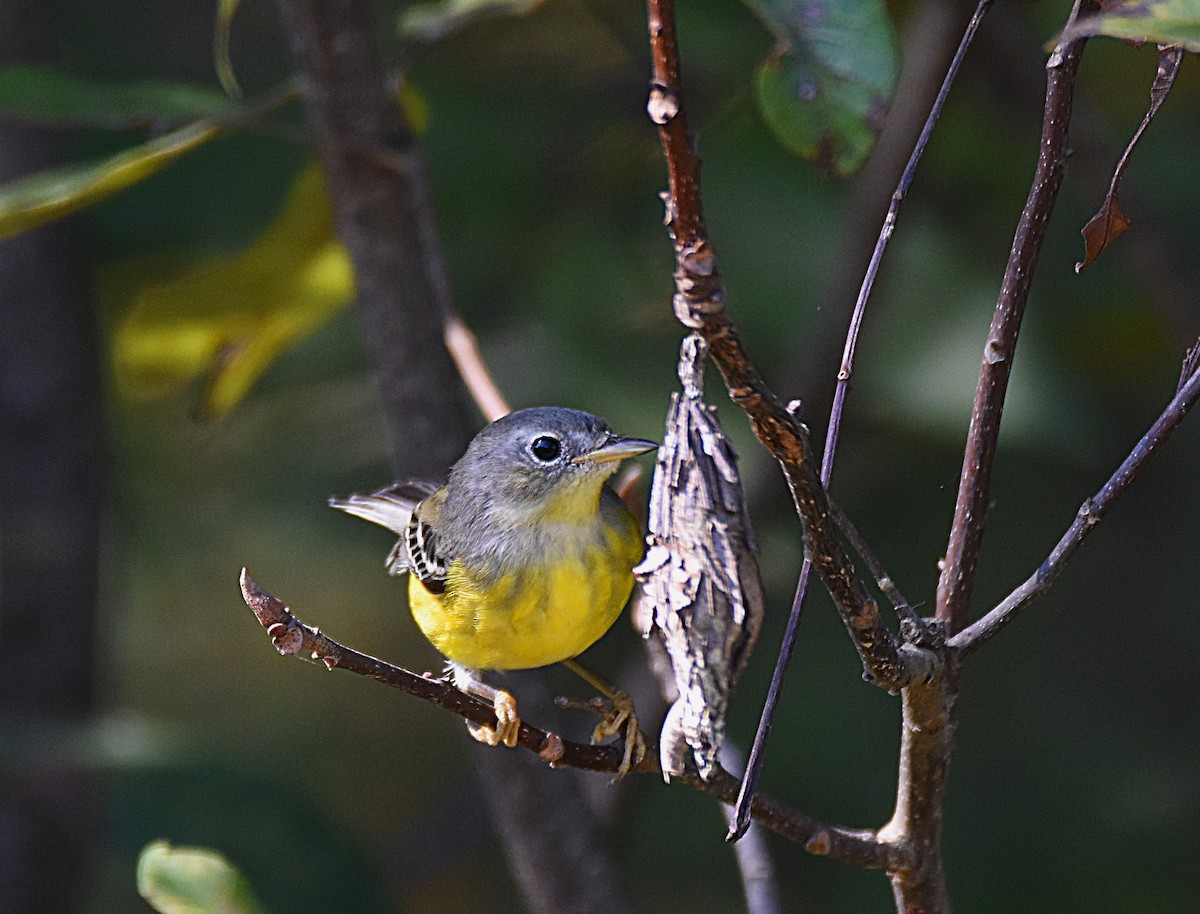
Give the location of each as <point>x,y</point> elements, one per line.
<point>532,456</point>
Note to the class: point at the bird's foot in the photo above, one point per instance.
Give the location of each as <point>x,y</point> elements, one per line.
<point>508,722</point>
<point>617,718</point>
<point>621,718</point>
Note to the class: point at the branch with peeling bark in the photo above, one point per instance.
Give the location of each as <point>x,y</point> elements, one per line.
<point>699,304</point>
<point>292,637</point>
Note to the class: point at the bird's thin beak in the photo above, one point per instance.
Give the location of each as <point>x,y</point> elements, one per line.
<point>616,449</point>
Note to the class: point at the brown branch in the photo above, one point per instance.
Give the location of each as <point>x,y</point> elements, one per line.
<point>911,626</point>
<point>926,746</point>
<point>383,215</point>
<point>699,305</point>
<point>291,637</point>
<point>966,536</point>
<point>1090,514</point>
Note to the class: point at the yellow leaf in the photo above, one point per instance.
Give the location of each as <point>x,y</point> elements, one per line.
<point>29,202</point>
<point>233,318</point>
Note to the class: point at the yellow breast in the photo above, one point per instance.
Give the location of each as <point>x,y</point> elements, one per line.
<point>536,614</point>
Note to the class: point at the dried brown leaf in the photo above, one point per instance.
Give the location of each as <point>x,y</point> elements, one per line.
<point>1103,229</point>
<point>1110,222</point>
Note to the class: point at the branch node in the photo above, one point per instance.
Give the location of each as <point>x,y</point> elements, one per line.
<point>663,104</point>
<point>819,844</point>
<point>1088,514</point>
<point>552,748</point>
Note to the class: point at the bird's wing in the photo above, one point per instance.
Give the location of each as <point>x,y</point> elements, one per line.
<point>417,550</point>
<point>409,509</point>
<point>390,507</point>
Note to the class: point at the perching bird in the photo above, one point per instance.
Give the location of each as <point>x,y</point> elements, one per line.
<point>524,558</point>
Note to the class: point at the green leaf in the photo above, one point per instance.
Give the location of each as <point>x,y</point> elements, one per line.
<point>29,202</point>
<point>431,21</point>
<point>233,318</point>
<point>192,880</point>
<point>826,87</point>
<point>1160,21</point>
<point>44,93</point>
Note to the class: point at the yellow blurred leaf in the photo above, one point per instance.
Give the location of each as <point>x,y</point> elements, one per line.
<point>233,318</point>
<point>29,202</point>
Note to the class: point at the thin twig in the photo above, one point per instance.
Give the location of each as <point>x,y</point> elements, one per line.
<point>760,886</point>
<point>292,637</point>
<point>845,372</point>
<point>464,351</point>
<point>1089,515</point>
<point>699,305</point>
<point>927,737</point>
<point>970,512</point>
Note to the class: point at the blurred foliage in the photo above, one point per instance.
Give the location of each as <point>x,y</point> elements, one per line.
<point>1162,21</point>
<point>1080,732</point>
<point>192,880</point>
<point>825,89</point>
<point>49,195</point>
<point>231,319</point>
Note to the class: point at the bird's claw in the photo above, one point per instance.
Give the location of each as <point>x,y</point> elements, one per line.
<point>508,722</point>
<point>617,717</point>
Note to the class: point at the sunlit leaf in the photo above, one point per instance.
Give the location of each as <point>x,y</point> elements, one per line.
<point>192,880</point>
<point>431,21</point>
<point>221,30</point>
<point>40,198</point>
<point>825,89</point>
<point>231,320</point>
<point>1160,21</point>
<point>42,93</point>
<point>1110,222</point>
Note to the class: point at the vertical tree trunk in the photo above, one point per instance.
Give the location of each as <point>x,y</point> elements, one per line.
<point>51,469</point>
<point>383,215</point>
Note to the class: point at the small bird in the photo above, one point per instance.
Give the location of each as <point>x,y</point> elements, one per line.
<point>523,559</point>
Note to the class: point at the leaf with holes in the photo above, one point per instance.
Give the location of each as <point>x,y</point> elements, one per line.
<point>826,86</point>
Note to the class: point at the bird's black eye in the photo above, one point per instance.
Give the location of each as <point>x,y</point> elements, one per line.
<point>545,448</point>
